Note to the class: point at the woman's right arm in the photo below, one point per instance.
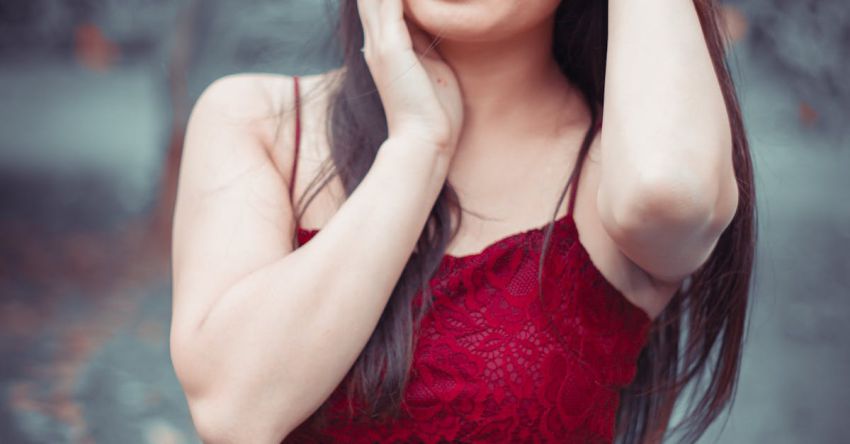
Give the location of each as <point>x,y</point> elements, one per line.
<point>261,334</point>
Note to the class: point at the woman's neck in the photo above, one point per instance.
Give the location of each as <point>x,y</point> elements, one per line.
<point>511,84</point>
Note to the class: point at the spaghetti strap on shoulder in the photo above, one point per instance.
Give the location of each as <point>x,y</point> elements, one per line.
<point>297,144</point>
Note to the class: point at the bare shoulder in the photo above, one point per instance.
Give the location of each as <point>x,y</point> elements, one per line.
<point>263,106</point>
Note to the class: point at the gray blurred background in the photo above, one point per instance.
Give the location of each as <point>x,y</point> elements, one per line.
<point>94,95</point>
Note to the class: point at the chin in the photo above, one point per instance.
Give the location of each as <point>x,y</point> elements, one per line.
<point>479,20</point>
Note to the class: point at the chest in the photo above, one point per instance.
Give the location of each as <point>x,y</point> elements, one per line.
<point>497,360</point>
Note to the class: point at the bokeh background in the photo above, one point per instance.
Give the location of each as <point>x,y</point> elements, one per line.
<point>94,96</point>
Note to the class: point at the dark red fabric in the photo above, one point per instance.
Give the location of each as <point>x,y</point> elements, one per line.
<point>489,368</point>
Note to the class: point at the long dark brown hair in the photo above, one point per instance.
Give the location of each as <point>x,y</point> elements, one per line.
<point>711,306</point>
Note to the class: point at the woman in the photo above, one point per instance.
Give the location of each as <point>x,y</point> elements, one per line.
<point>372,314</point>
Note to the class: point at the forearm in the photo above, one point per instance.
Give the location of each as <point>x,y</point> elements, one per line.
<point>666,137</point>
<point>279,341</point>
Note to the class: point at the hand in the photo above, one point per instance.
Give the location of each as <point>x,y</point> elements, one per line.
<point>419,91</point>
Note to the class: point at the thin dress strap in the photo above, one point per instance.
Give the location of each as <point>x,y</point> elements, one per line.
<point>297,95</point>
<point>573,188</point>
<point>574,185</point>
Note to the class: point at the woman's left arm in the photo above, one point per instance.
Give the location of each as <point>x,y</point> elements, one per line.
<point>667,186</point>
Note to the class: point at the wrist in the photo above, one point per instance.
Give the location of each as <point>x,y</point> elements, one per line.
<point>429,161</point>
<point>418,150</point>
<point>425,137</point>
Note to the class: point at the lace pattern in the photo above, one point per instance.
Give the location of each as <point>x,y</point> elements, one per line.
<point>489,367</point>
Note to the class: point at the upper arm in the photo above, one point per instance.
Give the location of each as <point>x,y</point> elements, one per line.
<point>232,213</point>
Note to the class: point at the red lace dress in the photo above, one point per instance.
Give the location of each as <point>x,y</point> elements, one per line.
<point>488,368</point>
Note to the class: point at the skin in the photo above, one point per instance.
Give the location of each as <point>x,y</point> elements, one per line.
<point>670,189</point>
<point>487,110</point>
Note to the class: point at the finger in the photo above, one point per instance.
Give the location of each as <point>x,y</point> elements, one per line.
<point>392,23</point>
<point>369,18</point>
<point>393,9</point>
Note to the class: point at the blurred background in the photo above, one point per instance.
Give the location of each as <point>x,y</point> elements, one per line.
<point>94,96</point>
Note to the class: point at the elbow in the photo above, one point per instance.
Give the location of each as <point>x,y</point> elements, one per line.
<point>674,200</point>
<point>221,421</point>
<point>668,228</point>
<point>211,425</point>
<point>216,422</point>
<point>220,411</point>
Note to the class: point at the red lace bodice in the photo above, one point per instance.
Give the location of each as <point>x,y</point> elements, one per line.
<point>487,366</point>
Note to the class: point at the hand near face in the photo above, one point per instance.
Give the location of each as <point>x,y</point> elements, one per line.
<point>419,91</point>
